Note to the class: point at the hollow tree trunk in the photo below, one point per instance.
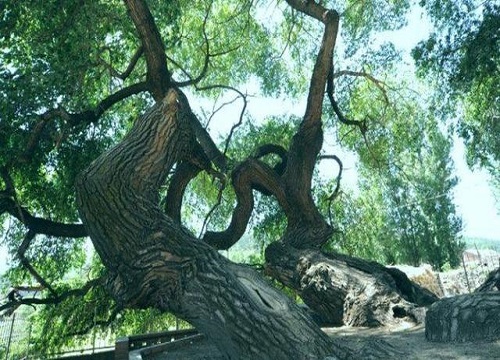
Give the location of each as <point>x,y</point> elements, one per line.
<point>342,290</point>
<point>153,262</point>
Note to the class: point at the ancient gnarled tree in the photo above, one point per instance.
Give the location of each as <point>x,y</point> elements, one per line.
<point>130,192</point>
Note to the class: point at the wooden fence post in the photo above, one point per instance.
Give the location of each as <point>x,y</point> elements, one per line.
<point>10,335</point>
<point>121,348</point>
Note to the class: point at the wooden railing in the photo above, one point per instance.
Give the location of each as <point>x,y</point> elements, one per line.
<point>127,344</point>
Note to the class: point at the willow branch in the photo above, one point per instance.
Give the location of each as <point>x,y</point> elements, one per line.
<point>84,117</point>
<point>209,215</point>
<point>130,67</point>
<point>242,112</point>
<point>185,171</point>
<point>27,265</point>
<point>330,90</point>
<point>267,149</point>
<point>118,96</point>
<point>306,227</point>
<point>103,323</point>
<point>250,174</point>
<point>9,183</point>
<point>336,191</point>
<point>307,142</point>
<point>321,69</point>
<point>133,62</point>
<point>219,107</point>
<point>378,83</point>
<point>203,137</point>
<point>206,62</point>
<point>279,168</point>
<point>288,38</point>
<point>39,225</point>
<point>53,300</point>
<point>310,8</point>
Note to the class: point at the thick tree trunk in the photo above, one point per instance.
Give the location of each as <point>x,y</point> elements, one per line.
<point>342,290</point>
<point>153,262</point>
<point>469,317</point>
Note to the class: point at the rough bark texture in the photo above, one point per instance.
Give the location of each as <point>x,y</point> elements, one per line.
<point>470,317</point>
<point>467,317</point>
<point>158,75</point>
<point>153,262</point>
<point>492,282</point>
<point>342,290</point>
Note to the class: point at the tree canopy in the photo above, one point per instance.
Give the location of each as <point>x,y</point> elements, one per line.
<point>111,107</point>
<point>461,56</point>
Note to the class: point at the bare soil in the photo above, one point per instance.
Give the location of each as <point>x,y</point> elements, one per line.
<point>407,343</point>
<point>412,342</point>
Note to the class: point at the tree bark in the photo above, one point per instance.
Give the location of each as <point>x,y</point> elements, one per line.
<point>153,262</point>
<point>492,282</point>
<point>468,317</point>
<point>158,75</point>
<point>342,290</point>
<point>463,318</point>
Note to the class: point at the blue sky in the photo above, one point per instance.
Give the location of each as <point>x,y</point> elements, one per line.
<point>474,199</point>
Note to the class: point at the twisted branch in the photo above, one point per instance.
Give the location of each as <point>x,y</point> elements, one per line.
<point>250,174</point>
<point>329,90</point>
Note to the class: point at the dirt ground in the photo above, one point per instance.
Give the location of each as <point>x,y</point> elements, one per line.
<point>412,342</point>
<point>408,343</point>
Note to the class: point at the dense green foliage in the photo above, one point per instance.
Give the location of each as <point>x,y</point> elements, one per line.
<point>60,61</point>
<point>462,58</point>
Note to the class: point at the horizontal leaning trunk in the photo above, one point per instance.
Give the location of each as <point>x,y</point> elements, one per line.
<point>153,262</point>
<point>342,290</point>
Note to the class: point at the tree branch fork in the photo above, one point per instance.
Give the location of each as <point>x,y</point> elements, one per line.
<point>262,182</point>
<point>149,248</point>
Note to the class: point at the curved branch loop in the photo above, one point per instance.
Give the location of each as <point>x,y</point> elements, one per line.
<point>251,174</point>
<point>330,90</point>
<point>336,191</point>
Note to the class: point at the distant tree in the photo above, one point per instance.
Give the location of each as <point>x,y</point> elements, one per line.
<point>420,200</point>
<point>404,212</point>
